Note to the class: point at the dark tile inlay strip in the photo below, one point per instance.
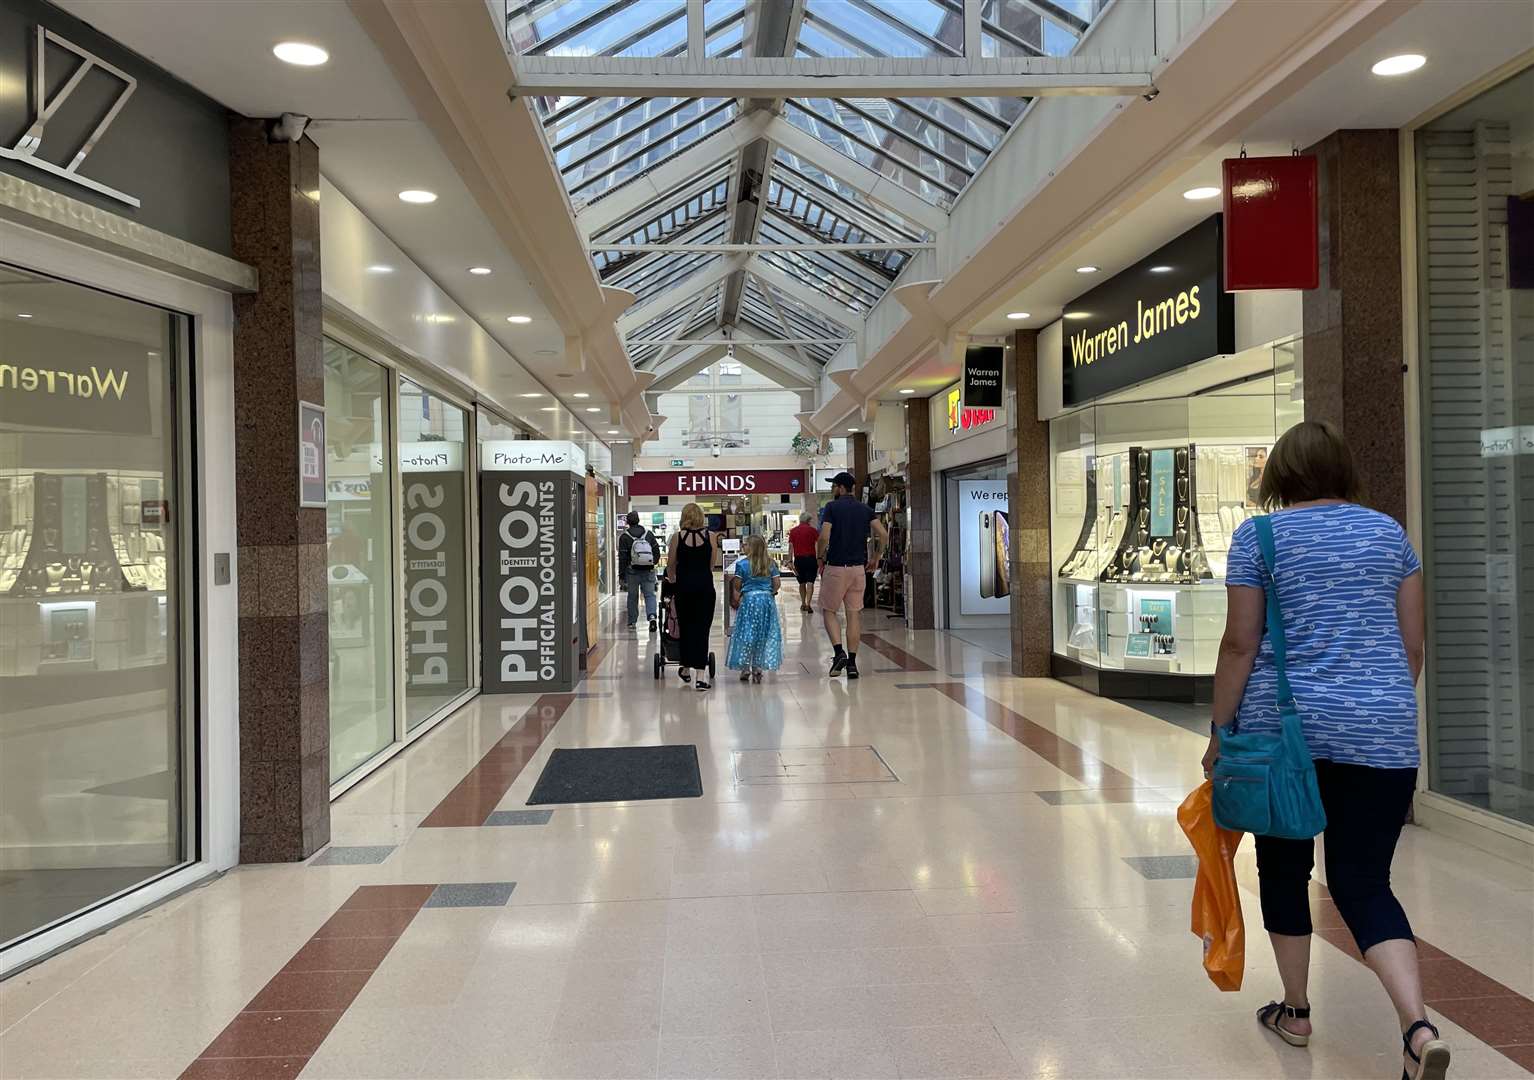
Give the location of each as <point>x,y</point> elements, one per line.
<point>475,798</point>
<point>520,817</point>
<point>894,653</point>
<point>277,1033</point>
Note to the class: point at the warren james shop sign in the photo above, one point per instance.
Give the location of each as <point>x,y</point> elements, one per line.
<point>704,482</point>
<point>1165,312</point>
<point>983,376</point>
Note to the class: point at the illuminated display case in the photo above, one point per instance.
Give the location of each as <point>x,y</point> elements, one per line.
<point>1146,496</point>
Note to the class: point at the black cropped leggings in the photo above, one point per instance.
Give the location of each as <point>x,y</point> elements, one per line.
<point>1365,811</point>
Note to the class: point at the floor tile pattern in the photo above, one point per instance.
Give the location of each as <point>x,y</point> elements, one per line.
<point>362,855</point>
<point>478,793</point>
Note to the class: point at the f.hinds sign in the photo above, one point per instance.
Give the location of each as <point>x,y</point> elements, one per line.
<point>1165,312</point>
<point>699,482</point>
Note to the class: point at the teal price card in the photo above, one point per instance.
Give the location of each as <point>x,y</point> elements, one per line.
<point>1137,645</point>
<point>1162,483</point>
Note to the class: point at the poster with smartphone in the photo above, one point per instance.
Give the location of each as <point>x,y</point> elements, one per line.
<point>984,539</point>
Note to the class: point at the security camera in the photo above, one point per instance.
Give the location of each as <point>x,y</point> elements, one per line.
<point>1152,94</point>
<point>289,127</point>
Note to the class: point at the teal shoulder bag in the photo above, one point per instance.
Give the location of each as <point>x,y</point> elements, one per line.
<point>1266,784</point>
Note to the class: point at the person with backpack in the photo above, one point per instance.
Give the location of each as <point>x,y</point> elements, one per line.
<point>637,547</point>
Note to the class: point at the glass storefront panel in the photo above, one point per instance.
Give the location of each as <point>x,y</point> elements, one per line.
<point>93,747</point>
<point>434,491</point>
<point>1475,233</point>
<point>359,523</point>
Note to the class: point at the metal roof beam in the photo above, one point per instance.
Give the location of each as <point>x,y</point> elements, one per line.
<point>668,299</point>
<point>834,77</point>
<point>871,185</point>
<point>767,274</point>
<point>751,248</point>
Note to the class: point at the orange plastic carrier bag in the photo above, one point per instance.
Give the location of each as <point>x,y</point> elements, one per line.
<point>1216,904</point>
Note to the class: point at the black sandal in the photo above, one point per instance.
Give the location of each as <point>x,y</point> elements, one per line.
<point>1273,1013</point>
<point>1433,1063</point>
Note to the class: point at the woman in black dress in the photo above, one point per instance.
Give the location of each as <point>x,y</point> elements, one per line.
<point>690,569</point>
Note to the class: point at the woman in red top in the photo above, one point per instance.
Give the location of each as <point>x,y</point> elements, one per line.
<point>801,539</point>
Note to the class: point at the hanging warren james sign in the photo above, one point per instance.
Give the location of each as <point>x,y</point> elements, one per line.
<point>1165,312</point>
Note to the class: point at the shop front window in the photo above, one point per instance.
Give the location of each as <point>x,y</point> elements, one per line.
<point>435,494</point>
<point>359,521</point>
<point>93,743</point>
<point>1475,232</point>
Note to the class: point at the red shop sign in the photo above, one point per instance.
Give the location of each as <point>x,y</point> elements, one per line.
<point>1271,237</point>
<point>732,482</point>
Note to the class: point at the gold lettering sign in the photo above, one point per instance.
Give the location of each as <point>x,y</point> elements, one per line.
<point>110,384</point>
<point>1150,320</point>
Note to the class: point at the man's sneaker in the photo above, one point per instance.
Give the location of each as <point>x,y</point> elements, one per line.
<point>852,668</point>
<point>838,665</point>
<point>652,626</point>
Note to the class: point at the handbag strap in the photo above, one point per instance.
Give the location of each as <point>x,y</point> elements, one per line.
<point>1264,526</point>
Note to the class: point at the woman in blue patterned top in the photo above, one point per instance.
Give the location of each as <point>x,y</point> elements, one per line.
<point>756,642</point>
<point>1350,590</point>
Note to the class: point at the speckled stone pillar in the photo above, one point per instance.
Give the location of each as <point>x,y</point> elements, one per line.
<point>1352,351</point>
<point>284,630</point>
<point>919,599</point>
<point>857,451</point>
<point>1028,508</point>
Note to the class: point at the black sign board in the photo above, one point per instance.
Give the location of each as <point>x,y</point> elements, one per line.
<point>529,614</point>
<point>1165,312</point>
<point>983,376</point>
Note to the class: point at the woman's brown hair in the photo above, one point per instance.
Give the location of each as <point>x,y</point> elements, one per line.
<point>1310,461</point>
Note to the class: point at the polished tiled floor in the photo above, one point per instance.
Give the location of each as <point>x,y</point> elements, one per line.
<point>936,871</point>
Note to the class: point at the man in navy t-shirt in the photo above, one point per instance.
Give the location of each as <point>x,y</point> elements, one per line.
<point>845,525</point>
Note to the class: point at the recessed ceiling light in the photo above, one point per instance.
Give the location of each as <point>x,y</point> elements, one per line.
<point>1196,193</point>
<point>416,195</point>
<point>479,271</point>
<point>519,319</point>
<point>908,390</point>
<point>1161,269</point>
<point>1078,314</point>
<point>23,314</point>
<point>532,393</point>
<point>612,431</point>
<point>1399,65</point>
<point>380,268</point>
<point>549,408</point>
<point>593,408</point>
<point>853,430</point>
<point>580,394</point>
<point>1017,315</point>
<point>1086,269</point>
<point>300,53</point>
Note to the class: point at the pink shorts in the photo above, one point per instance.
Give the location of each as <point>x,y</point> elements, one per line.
<point>842,586</point>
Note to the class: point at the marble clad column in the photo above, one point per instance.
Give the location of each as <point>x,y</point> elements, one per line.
<point>284,630</point>
<point>919,599</point>
<point>1031,577</point>
<point>857,453</point>
<point>1352,350</point>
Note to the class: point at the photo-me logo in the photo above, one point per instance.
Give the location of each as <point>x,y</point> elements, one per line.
<point>45,108</point>
<point>962,419</point>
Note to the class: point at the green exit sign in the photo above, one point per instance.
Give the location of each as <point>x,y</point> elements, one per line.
<point>680,463</point>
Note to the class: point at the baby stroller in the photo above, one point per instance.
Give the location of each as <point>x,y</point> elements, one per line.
<point>670,651</point>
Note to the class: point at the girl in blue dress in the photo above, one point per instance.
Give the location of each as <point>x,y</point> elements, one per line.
<point>756,642</point>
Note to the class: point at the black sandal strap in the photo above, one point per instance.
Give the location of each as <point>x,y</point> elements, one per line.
<point>1416,1027</point>
<point>1293,1012</point>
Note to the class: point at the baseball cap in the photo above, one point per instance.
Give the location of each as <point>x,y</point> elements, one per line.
<point>844,479</point>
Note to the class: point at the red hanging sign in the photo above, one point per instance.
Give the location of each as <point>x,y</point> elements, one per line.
<point>718,482</point>
<point>1271,234</point>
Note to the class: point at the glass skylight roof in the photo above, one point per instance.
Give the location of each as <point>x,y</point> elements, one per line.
<point>930,147</point>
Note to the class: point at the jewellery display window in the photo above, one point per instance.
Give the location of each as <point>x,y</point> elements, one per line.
<point>1145,499</point>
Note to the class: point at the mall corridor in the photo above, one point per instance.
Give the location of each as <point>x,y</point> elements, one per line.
<point>936,871</point>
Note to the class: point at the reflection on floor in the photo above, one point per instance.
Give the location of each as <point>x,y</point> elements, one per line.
<point>1014,902</point>
<point>30,899</point>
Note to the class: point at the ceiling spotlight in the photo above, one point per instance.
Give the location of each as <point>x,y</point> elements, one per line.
<point>1197,193</point>
<point>593,408</point>
<point>612,431</point>
<point>416,195</point>
<point>23,314</point>
<point>1086,269</point>
<point>549,408</point>
<point>853,430</point>
<point>1161,269</point>
<point>1078,314</point>
<point>1399,65</point>
<point>908,390</point>
<point>479,271</point>
<point>520,320</point>
<point>300,53</point>
<point>532,393</point>
<point>1016,316</point>
<point>580,394</point>
<point>380,268</point>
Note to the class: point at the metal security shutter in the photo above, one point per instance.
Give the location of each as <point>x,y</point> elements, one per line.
<point>1479,543</point>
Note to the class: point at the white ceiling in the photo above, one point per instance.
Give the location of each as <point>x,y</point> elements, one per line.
<point>372,146</point>
<point>1462,42</point>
